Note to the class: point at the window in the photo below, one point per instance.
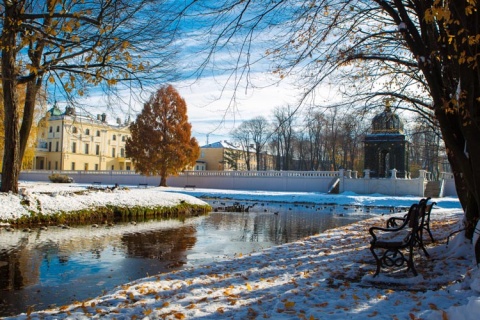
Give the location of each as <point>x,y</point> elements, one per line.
<point>96,166</point>
<point>74,130</point>
<point>50,130</point>
<point>87,147</point>
<point>58,128</point>
<point>113,167</point>
<point>98,133</point>
<point>123,138</point>
<point>97,149</point>
<point>73,166</point>
<point>87,132</point>
<point>50,146</point>
<point>56,165</point>
<point>114,137</point>
<point>56,146</point>
<point>122,153</point>
<point>74,147</point>
<point>113,152</point>
<point>49,165</point>
<point>85,167</point>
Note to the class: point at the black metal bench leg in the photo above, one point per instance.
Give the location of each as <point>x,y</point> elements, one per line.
<point>419,240</point>
<point>410,264</point>
<point>379,262</point>
<point>430,234</point>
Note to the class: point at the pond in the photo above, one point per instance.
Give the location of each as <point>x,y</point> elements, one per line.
<point>58,266</point>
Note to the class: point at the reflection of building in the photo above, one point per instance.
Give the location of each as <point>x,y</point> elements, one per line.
<point>386,147</point>
<point>224,156</point>
<point>70,141</point>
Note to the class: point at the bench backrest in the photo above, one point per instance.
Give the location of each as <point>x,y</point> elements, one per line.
<point>416,215</point>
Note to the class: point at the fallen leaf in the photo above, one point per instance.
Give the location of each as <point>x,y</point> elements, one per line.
<point>147,312</point>
<point>433,306</point>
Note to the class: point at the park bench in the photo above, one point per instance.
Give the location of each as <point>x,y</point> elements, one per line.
<point>396,221</point>
<point>189,186</point>
<point>145,185</point>
<point>396,244</point>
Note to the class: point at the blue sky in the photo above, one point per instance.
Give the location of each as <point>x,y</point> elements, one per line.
<point>218,99</point>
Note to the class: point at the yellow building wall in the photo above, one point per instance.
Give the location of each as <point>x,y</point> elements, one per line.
<point>215,160</point>
<point>81,143</point>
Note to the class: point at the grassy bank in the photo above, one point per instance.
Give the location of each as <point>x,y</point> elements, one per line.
<point>83,206</point>
<point>111,214</point>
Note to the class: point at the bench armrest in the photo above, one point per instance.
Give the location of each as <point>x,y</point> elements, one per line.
<point>373,229</point>
<point>396,221</point>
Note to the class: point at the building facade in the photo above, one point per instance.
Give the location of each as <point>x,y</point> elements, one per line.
<point>224,156</point>
<point>386,147</point>
<point>70,141</point>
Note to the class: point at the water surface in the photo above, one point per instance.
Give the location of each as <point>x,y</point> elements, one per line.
<point>59,266</point>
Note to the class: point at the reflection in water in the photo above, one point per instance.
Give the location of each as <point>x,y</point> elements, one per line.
<point>59,266</point>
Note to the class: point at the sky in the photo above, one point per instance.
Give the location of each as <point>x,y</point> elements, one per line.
<point>219,98</point>
<point>328,275</point>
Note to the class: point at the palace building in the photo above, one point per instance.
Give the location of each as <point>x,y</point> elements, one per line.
<point>386,147</point>
<point>71,141</point>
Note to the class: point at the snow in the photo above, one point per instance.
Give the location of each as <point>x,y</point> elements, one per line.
<point>329,275</point>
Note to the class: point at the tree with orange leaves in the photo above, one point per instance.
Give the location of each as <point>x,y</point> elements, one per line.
<point>161,142</point>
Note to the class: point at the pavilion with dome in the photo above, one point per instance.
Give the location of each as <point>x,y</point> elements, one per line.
<point>386,147</point>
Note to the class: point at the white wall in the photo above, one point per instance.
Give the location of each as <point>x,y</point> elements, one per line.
<point>295,181</point>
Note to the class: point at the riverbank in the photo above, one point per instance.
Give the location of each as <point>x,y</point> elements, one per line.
<point>324,276</point>
<point>43,204</point>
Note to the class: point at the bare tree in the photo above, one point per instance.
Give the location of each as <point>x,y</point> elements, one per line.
<point>284,131</point>
<point>74,45</point>
<point>259,133</point>
<point>241,136</point>
<point>426,148</point>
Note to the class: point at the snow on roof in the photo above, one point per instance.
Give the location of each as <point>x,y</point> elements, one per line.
<point>221,144</point>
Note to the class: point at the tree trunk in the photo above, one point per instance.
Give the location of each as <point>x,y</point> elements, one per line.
<point>163,181</point>
<point>11,158</point>
<point>28,113</point>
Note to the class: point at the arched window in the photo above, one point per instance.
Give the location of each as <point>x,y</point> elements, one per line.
<point>114,137</point>
<point>74,130</point>
<point>98,133</point>
<point>87,132</point>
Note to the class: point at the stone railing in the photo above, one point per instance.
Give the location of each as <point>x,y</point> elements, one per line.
<point>295,181</point>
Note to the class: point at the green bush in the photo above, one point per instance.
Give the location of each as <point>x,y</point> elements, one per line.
<point>60,178</point>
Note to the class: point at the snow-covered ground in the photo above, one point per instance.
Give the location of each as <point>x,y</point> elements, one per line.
<point>324,276</point>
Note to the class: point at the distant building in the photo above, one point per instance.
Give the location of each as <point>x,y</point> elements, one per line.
<point>225,156</point>
<point>70,141</point>
<point>386,147</point>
